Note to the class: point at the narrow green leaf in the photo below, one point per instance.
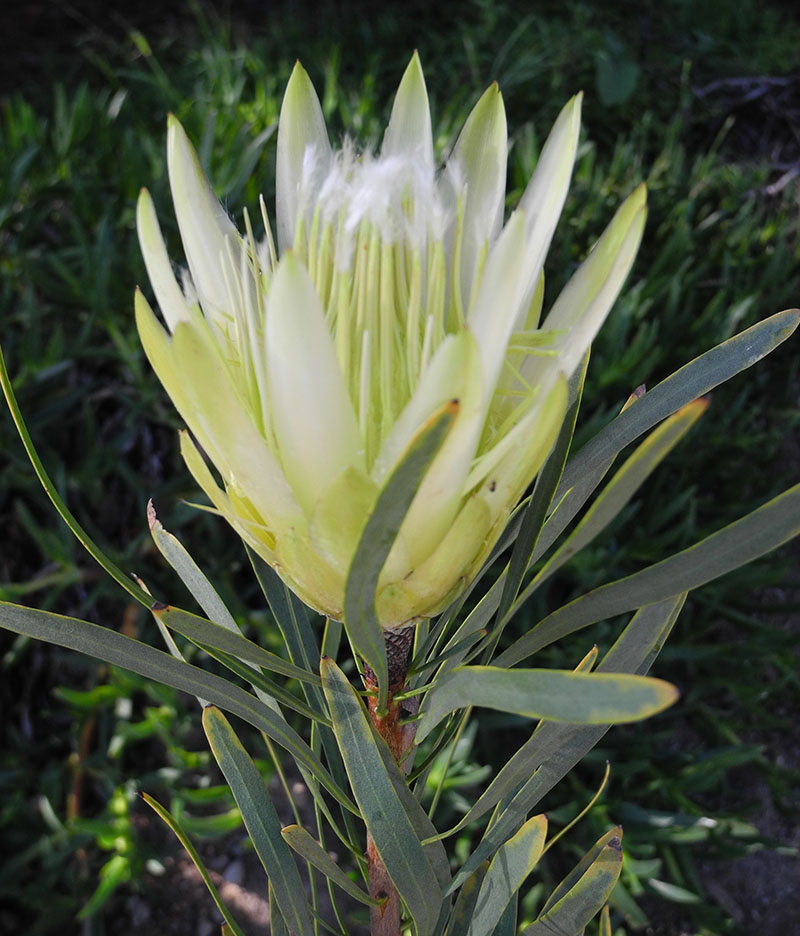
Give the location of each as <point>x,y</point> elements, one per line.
<point>507,872</point>
<point>309,848</point>
<point>604,928</point>
<point>622,901</point>
<point>555,695</point>
<point>291,615</point>
<point>66,515</point>
<point>277,925</point>
<point>210,634</point>
<point>420,821</point>
<point>673,892</point>
<point>553,749</point>
<point>585,471</point>
<point>507,924</point>
<point>261,821</point>
<point>189,573</point>
<point>380,531</point>
<point>384,814</point>
<point>584,892</point>
<point>114,648</point>
<point>115,872</point>
<point>759,532</point>
<point>465,904</point>
<point>633,652</point>
<point>471,628</point>
<point>184,839</point>
<point>266,686</point>
<point>539,504</point>
<point>612,837</point>
<point>622,487</point>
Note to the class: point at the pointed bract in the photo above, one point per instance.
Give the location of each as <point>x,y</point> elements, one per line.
<point>479,161</point>
<point>159,269</point>
<point>409,132</point>
<point>315,427</point>
<point>546,192</point>
<point>303,150</point>
<point>204,225</point>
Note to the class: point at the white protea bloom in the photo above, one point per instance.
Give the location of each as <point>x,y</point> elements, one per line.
<point>304,372</point>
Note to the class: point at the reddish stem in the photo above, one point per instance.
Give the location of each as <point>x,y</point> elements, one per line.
<point>399,738</point>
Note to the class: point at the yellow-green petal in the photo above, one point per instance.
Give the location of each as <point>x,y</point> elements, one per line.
<point>168,293</point>
<point>312,415</point>
<point>546,192</point>
<point>586,300</point>
<point>479,162</point>
<point>302,136</point>
<point>223,425</point>
<point>409,131</point>
<point>203,222</point>
<point>430,585</point>
<point>340,514</point>
<point>496,305</point>
<point>453,374</point>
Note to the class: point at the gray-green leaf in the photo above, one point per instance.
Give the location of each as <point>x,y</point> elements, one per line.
<point>555,695</point>
<point>261,821</point>
<point>507,872</point>
<point>382,809</point>
<point>381,529</point>
<point>763,530</point>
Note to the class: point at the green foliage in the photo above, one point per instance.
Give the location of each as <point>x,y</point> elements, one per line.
<point>720,251</point>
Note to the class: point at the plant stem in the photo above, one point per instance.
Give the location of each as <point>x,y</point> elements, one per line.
<point>399,737</point>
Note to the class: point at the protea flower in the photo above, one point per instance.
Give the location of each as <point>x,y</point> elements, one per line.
<point>304,372</point>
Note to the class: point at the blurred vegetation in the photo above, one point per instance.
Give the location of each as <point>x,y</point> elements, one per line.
<point>666,102</point>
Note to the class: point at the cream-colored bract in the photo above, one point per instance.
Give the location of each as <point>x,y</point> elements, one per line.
<point>304,371</point>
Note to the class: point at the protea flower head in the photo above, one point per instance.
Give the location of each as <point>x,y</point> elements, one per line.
<point>305,370</point>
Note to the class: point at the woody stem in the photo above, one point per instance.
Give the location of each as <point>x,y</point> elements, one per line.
<point>399,738</point>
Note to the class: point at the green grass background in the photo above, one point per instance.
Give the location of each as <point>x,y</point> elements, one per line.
<point>84,129</point>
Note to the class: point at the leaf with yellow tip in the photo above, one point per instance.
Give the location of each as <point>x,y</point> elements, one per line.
<point>584,891</point>
<point>508,869</point>
<point>555,695</point>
